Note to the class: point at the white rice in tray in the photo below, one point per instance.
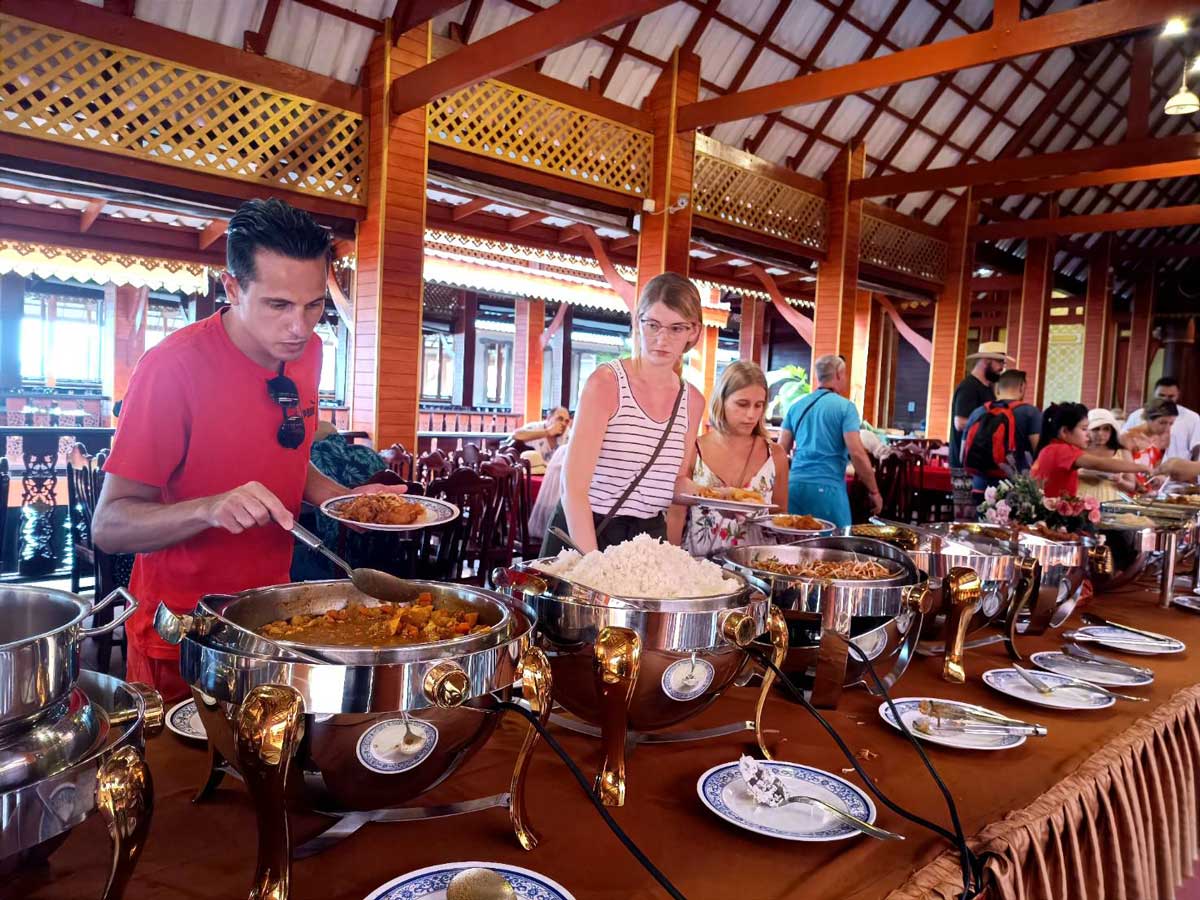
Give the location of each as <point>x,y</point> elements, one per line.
<point>642,567</point>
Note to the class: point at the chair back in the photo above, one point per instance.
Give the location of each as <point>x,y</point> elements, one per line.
<point>398,460</point>
<point>459,544</point>
<point>81,496</point>
<point>431,465</point>
<point>503,512</point>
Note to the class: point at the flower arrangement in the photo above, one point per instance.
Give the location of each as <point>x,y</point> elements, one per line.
<point>1074,514</point>
<point>1020,501</point>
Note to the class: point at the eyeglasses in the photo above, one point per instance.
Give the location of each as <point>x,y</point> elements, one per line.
<point>652,328</point>
<point>283,391</point>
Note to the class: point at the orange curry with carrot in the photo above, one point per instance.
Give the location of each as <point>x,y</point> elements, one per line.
<point>385,625</point>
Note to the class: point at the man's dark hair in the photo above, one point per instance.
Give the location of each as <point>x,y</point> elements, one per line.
<point>274,226</point>
<point>1167,381</point>
<point>1157,409</point>
<point>1010,379</point>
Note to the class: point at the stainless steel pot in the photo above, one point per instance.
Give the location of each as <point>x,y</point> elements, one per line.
<point>111,778</point>
<point>358,739</point>
<point>641,663</point>
<point>825,614</point>
<point>40,633</point>
<point>1131,550</point>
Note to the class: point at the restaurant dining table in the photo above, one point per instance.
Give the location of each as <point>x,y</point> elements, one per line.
<point>1105,805</point>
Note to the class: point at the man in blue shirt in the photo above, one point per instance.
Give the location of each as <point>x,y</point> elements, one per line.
<point>824,429</point>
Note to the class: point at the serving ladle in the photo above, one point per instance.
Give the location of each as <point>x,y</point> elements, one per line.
<point>371,582</point>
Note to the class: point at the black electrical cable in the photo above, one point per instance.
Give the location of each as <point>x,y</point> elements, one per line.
<point>587,789</point>
<point>954,837</point>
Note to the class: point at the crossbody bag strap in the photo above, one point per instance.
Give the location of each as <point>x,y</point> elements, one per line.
<point>662,440</point>
<point>809,408</point>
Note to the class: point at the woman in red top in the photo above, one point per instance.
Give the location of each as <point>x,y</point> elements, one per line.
<point>1063,452</point>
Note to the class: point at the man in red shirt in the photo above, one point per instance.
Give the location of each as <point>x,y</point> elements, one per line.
<point>210,461</point>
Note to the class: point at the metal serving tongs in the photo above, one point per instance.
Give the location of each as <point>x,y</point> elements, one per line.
<point>371,582</point>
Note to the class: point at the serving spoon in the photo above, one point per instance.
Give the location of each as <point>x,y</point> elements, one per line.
<point>371,582</point>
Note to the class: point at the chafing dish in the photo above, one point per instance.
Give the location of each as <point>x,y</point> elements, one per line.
<point>1174,529</point>
<point>1008,579</point>
<point>40,633</point>
<point>357,738</point>
<point>882,616</point>
<point>624,663</point>
<point>79,757</point>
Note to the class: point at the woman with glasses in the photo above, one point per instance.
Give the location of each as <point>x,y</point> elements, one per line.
<point>635,422</point>
<point>735,452</point>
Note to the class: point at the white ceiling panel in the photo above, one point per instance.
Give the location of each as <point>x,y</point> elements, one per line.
<point>736,133</point>
<point>632,81</point>
<point>910,96</point>
<point>946,156</point>
<point>914,25</point>
<point>801,26</point>
<point>722,51</point>
<point>915,149</point>
<point>575,64</point>
<point>847,46</point>
<point>1023,104</point>
<point>751,13</point>
<point>769,68</point>
<point>996,141</point>
<point>662,31</point>
<point>940,209</point>
<point>781,143</point>
<point>1000,84</point>
<point>943,113</point>
<point>970,79</point>
<point>806,115</point>
<point>886,130</point>
<point>817,160</point>
<point>850,116</point>
<point>973,122</point>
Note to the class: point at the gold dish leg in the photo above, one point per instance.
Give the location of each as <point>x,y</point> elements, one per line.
<point>963,591</point>
<point>535,689</point>
<point>268,728</point>
<point>125,795</point>
<point>617,658</point>
<point>1028,587</point>
<point>777,629</point>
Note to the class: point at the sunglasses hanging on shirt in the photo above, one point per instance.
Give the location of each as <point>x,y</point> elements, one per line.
<point>283,392</point>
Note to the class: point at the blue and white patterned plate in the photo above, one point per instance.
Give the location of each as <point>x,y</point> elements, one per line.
<point>723,790</point>
<point>1129,642</point>
<point>437,512</point>
<point>430,883</point>
<point>1064,696</point>
<point>910,710</point>
<point>1057,661</point>
<point>184,720</point>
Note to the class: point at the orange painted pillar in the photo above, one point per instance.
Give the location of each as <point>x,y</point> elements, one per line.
<point>1095,323</point>
<point>132,307</point>
<point>876,373</point>
<point>837,276</point>
<point>750,331</point>
<point>1138,363</point>
<point>527,359</point>
<point>861,336</point>
<point>1012,335</point>
<point>389,288</point>
<point>1036,285</point>
<point>666,236</point>
<point>1108,371</point>
<point>951,319</point>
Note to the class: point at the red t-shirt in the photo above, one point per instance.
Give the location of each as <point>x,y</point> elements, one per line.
<point>1055,468</point>
<point>197,421</point>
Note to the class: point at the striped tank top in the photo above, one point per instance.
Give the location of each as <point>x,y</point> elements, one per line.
<point>628,444</point>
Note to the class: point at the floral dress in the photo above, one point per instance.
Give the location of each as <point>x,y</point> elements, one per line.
<point>711,530</point>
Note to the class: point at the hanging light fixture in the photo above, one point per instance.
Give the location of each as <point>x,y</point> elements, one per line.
<point>1185,102</point>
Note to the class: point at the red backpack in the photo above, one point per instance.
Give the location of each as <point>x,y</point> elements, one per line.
<point>991,443</point>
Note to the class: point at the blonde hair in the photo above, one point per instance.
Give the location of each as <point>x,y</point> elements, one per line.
<point>677,294</point>
<point>737,375</point>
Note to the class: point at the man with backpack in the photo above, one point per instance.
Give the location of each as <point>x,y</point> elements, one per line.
<point>1002,435</point>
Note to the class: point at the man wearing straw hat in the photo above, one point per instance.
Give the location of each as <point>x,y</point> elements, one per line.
<point>972,392</point>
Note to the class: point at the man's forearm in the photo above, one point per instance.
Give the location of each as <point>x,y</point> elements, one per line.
<point>319,487</point>
<point>133,525</point>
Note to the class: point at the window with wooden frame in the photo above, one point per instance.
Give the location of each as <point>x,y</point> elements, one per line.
<point>61,341</point>
<point>437,367</point>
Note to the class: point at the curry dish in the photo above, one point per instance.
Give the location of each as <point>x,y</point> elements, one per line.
<point>380,509</point>
<point>385,625</point>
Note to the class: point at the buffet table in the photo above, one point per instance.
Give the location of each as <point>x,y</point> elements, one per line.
<point>1109,796</point>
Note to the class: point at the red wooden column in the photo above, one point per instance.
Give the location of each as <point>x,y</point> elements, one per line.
<point>1108,372</point>
<point>750,332</point>
<point>129,334</point>
<point>1095,324</point>
<point>861,335</point>
<point>666,236</point>
<point>876,373</point>
<point>837,276</point>
<point>1012,335</point>
<point>1139,341</point>
<point>389,288</point>
<point>951,319</point>
<point>1036,285</point>
<point>527,359</point>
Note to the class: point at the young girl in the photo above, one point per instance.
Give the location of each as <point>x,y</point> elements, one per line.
<point>626,407</point>
<point>1063,452</point>
<point>1103,441</point>
<point>735,452</point>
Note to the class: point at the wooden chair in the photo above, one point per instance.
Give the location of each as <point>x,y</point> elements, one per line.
<point>452,552</point>
<point>469,457</point>
<point>80,486</point>
<point>501,528</point>
<point>113,570</point>
<point>4,483</point>
<point>431,465</point>
<point>398,460</point>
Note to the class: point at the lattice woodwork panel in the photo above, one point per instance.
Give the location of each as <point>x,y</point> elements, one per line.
<point>901,250</point>
<point>1064,364</point>
<point>518,127</point>
<point>747,199</point>
<point>83,92</point>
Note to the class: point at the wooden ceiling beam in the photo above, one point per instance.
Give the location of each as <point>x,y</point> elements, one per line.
<point>1153,172</point>
<point>1106,19</point>
<point>341,12</point>
<point>567,22</point>
<point>522,222</point>
<point>468,209</point>
<point>256,41</point>
<point>87,217</point>
<point>1091,159</point>
<point>624,243</point>
<point>1160,217</point>
<point>212,231</point>
<point>145,37</point>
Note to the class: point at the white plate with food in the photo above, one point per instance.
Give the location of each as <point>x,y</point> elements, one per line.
<point>389,512</point>
<point>731,499</point>
<point>1065,693</point>
<point>800,526</point>
<point>431,883</point>
<point>1097,673</point>
<point>915,710</point>
<point>184,720</point>
<point>724,791</point>
<point>1125,641</point>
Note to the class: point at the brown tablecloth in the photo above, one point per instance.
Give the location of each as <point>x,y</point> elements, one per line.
<point>1104,806</point>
